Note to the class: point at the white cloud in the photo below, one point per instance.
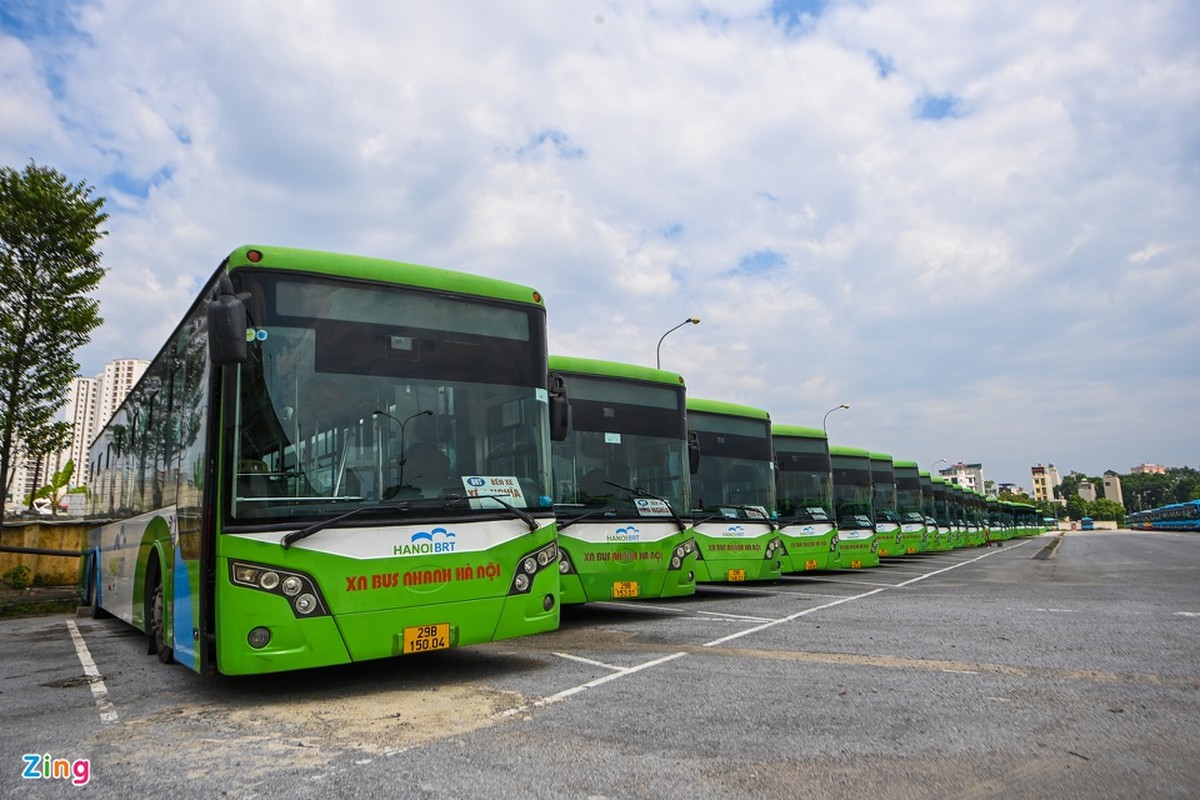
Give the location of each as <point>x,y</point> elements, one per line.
<point>626,158</point>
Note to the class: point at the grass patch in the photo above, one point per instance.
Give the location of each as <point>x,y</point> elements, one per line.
<point>37,608</point>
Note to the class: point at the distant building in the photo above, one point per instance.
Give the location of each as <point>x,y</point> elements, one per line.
<point>88,406</point>
<point>1086,490</point>
<point>969,476</point>
<point>1112,487</point>
<point>1045,478</point>
<point>1153,468</point>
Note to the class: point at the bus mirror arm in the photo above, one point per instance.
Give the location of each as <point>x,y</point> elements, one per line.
<point>226,325</point>
<point>693,446</point>
<point>560,408</point>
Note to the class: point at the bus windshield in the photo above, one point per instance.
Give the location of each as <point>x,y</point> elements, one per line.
<point>357,395</point>
<point>804,483</point>
<point>852,492</point>
<point>735,477</point>
<point>624,435</point>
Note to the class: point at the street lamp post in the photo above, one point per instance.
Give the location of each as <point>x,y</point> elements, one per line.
<point>658,350</point>
<point>827,413</point>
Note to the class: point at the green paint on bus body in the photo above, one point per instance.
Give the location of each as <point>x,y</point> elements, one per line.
<point>804,496</point>
<point>944,540</point>
<point>733,493</point>
<point>888,533</point>
<point>915,537</point>
<point>425,566</point>
<point>621,489</point>
<point>853,504</point>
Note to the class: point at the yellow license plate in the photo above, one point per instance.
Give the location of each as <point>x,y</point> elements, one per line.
<point>810,564</point>
<point>912,551</point>
<point>855,565</point>
<point>625,589</point>
<point>424,638</point>
<point>735,575</point>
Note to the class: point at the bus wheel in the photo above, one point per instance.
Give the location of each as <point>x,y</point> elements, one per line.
<point>158,641</point>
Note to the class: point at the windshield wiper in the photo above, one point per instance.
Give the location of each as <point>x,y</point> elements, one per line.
<point>524,515</point>
<point>639,492</point>
<point>290,538</point>
<point>585,515</point>
<point>747,509</point>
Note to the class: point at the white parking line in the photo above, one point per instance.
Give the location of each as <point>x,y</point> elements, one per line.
<point>108,714</point>
<point>590,661</point>
<point>745,617</point>
<point>814,609</point>
<point>623,671</point>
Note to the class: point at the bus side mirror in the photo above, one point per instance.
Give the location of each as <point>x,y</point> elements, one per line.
<point>560,408</point>
<point>693,440</point>
<point>226,325</point>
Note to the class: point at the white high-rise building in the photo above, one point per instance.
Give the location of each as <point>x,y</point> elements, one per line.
<point>88,406</point>
<point>118,378</point>
<point>81,410</point>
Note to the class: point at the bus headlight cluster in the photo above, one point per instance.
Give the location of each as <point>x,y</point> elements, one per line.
<point>682,551</point>
<point>298,589</point>
<point>774,548</point>
<point>530,565</point>
<point>833,543</point>
<point>565,567</point>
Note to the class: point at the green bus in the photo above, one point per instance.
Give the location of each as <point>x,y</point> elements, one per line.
<point>958,514</point>
<point>620,481</point>
<point>910,506</point>
<point>852,498</point>
<point>733,493</point>
<point>935,540</point>
<point>883,500</point>
<point>943,512</point>
<point>804,494</point>
<point>332,459</point>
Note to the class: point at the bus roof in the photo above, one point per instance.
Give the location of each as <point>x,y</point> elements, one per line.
<point>906,464</point>
<point>842,450</point>
<point>614,369</point>
<point>798,432</point>
<point>728,409</point>
<point>877,456</point>
<point>365,268</point>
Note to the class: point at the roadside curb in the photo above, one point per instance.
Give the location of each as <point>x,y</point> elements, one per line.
<point>1050,551</point>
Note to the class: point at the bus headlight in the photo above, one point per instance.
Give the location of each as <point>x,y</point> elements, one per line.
<point>565,567</point>
<point>682,551</point>
<point>298,589</point>
<point>530,565</point>
<point>305,604</point>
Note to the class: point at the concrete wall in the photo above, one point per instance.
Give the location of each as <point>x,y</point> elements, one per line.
<point>50,535</point>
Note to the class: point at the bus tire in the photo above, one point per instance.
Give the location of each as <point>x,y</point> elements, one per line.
<point>157,622</point>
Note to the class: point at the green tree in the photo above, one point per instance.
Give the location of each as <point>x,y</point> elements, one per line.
<point>1103,508</point>
<point>1077,507</point>
<point>49,264</point>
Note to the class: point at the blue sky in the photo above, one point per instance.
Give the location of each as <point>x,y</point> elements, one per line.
<point>973,222</point>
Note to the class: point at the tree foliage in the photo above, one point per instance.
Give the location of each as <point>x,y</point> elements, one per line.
<point>49,265</point>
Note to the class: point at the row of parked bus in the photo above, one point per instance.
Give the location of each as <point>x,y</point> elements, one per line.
<point>1183,516</point>
<point>655,491</point>
<point>335,458</point>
